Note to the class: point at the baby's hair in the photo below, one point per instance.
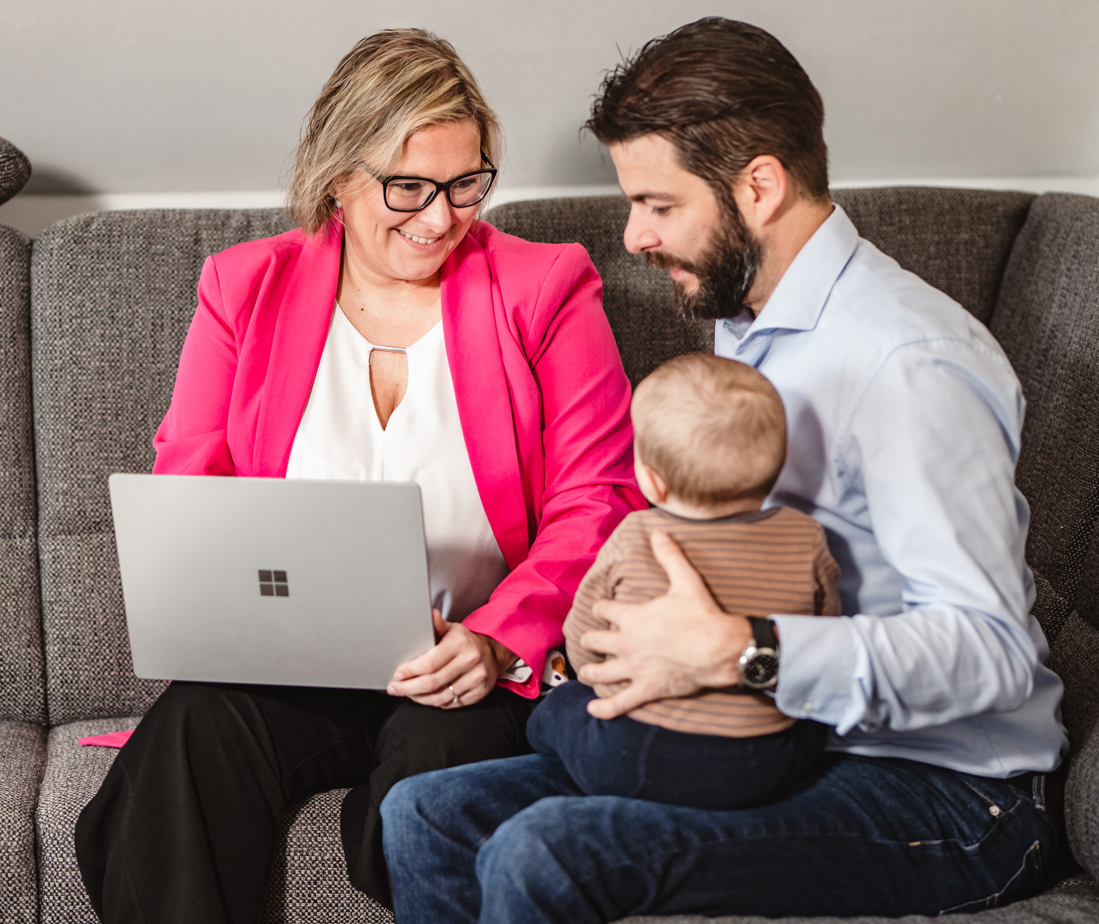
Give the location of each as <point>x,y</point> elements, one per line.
<point>713,428</point>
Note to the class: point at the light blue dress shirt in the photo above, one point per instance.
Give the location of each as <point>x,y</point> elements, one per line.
<point>904,417</point>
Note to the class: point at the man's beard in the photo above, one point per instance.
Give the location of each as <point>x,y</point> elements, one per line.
<point>725,270</point>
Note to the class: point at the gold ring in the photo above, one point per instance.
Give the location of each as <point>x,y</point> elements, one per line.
<point>453,692</point>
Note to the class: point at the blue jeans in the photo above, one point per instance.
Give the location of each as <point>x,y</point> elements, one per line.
<point>623,757</point>
<point>516,841</point>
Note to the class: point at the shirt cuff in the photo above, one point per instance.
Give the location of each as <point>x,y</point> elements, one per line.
<point>816,662</point>
<point>518,671</point>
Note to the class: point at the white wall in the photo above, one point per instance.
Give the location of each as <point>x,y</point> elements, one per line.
<point>126,97</point>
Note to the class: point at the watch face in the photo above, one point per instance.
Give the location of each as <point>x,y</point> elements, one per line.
<point>761,669</point>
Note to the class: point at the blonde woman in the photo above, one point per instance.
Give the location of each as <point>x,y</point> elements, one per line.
<point>392,337</point>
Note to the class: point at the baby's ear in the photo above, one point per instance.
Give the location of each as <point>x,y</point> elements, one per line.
<point>656,483</point>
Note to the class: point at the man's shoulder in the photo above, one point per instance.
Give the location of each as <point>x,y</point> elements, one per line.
<point>876,299</point>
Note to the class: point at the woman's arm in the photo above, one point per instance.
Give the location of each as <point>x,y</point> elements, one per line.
<point>587,449</point>
<point>191,440</point>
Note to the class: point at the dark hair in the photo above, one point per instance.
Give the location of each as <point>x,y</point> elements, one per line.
<point>723,93</point>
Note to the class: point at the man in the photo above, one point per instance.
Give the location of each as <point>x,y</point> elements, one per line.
<point>904,421</point>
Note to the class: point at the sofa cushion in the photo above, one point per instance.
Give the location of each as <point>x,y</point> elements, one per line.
<point>309,882</point>
<point>15,170</point>
<point>22,761</point>
<point>1047,320</point>
<point>72,776</point>
<point>1075,658</point>
<point>22,677</point>
<point>114,293</point>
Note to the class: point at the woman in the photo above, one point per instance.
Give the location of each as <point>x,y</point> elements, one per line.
<point>392,337</point>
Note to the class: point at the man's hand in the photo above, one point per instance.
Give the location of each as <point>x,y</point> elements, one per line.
<point>671,646</point>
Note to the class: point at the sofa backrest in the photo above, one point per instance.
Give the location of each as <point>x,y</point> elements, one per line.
<point>957,239</point>
<point>113,295</point>
<point>22,689</point>
<point>636,297</point>
<point>1047,319</point>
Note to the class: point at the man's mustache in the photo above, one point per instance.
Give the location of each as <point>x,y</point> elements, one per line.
<point>663,261</point>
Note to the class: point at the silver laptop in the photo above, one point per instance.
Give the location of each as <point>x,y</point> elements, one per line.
<point>267,580</point>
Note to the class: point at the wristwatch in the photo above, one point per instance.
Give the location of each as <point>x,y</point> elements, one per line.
<point>758,664</point>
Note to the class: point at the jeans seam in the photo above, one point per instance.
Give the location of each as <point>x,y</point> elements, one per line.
<point>993,900</point>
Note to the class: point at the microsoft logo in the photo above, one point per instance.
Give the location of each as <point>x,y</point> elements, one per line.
<point>273,584</point>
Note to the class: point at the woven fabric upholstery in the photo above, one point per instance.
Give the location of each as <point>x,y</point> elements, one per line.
<point>73,775</point>
<point>113,296</point>
<point>1047,320</point>
<point>1074,901</point>
<point>22,678</point>
<point>22,760</point>
<point>636,298</point>
<point>309,882</point>
<point>1075,657</point>
<point>956,239</point>
<point>15,170</point>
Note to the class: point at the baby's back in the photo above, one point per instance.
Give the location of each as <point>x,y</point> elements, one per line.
<point>755,564</point>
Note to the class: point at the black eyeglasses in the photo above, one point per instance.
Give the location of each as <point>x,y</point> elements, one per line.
<point>414,193</point>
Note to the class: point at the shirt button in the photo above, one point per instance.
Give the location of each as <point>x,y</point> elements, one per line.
<point>808,707</point>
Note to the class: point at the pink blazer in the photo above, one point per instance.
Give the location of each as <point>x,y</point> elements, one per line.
<point>542,397</point>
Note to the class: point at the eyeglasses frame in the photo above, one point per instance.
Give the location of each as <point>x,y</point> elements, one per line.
<point>443,188</point>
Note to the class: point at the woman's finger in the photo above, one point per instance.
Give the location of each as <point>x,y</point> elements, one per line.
<point>432,659</point>
<point>465,690</point>
<point>433,681</point>
<point>442,627</point>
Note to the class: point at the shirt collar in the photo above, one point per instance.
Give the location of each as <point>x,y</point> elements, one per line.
<point>801,293</point>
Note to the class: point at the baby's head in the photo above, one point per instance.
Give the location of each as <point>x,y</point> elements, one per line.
<point>709,435</point>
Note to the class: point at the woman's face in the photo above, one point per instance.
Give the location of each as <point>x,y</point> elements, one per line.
<point>411,246</point>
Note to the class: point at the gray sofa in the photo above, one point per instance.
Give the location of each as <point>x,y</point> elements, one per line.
<point>92,317</point>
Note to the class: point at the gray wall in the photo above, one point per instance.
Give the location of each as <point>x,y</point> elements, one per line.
<point>148,95</point>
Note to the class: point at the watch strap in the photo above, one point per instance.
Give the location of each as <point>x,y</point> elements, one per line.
<point>763,631</point>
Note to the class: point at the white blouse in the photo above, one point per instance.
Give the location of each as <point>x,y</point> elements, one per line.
<point>340,437</point>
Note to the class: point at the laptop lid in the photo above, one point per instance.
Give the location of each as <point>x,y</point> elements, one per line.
<point>274,581</point>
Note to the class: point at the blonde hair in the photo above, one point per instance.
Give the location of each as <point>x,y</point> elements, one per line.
<point>389,86</point>
<point>713,428</point>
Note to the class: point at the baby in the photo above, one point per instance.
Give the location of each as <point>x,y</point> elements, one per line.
<point>709,443</point>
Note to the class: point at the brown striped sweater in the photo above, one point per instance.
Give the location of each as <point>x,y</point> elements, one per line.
<point>755,564</point>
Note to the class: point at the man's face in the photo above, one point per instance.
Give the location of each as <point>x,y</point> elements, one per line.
<point>679,223</point>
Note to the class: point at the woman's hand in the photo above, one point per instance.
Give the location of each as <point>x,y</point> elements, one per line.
<point>460,670</point>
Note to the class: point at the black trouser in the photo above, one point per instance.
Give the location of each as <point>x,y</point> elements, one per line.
<point>183,828</point>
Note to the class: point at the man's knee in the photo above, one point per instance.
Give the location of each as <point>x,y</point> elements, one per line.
<point>404,804</point>
<point>530,845</point>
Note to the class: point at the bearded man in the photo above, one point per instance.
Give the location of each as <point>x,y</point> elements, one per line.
<point>904,424</point>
